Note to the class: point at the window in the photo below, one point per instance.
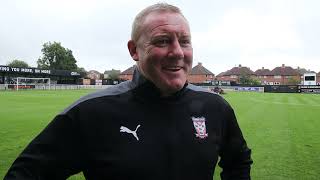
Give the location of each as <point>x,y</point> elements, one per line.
<point>309,78</point>
<point>277,77</point>
<point>233,76</point>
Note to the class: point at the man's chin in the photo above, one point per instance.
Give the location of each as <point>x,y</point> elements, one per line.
<point>173,86</point>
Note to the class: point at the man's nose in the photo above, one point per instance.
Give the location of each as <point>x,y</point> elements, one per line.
<point>175,50</point>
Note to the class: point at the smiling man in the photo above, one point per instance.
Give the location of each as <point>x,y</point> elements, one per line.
<point>162,48</point>
<point>155,127</point>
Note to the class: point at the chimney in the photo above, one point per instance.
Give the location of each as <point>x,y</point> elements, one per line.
<point>262,68</point>
<point>199,63</point>
<point>239,65</point>
<point>283,66</point>
<point>298,68</point>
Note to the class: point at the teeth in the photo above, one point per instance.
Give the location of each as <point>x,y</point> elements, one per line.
<point>174,67</point>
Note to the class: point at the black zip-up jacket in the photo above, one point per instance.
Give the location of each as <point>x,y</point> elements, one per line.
<point>130,132</point>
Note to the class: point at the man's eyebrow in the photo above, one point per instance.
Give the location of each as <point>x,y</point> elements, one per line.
<point>185,35</point>
<point>158,26</point>
<point>160,35</point>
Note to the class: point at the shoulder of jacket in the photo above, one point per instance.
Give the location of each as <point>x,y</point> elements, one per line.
<point>110,91</point>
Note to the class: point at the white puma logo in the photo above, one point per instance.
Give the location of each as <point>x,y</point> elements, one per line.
<point>134,133</point>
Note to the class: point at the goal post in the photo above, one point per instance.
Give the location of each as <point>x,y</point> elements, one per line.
<point>32,83</point>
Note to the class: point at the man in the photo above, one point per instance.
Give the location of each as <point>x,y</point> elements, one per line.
<point>156,126</point>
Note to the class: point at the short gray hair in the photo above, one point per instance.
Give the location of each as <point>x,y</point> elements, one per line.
<point>139,19</point>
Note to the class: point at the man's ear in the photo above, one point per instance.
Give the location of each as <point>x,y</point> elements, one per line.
<point>133,50</point>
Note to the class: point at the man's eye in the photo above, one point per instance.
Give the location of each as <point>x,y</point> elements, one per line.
<point>161,42</point>
<point>185,42</point>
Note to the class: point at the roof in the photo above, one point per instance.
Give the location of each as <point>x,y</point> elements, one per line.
<point>93,72</point>
<point>129,71</point>
<point>239,71</point>
<point>303,70</point>
<point>263,72</point>
<point>112,71</point>
<point>284,71</point>
<point>221,74</point>
<point>200,70</point>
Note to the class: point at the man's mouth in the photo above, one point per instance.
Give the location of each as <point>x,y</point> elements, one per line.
<point>172,68</point>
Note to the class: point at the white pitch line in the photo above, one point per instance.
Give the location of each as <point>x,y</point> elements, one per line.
<point>282,103</point>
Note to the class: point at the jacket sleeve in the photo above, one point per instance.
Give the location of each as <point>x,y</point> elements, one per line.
<point>235,156</point>
<point>53,154</point>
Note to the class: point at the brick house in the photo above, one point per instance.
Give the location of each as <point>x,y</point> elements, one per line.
<point>127,74</point>
<point>264,76</point>
<point>285,75</point>
<point>93,74</point>
<point>234,74</point>
<point>200,74</point>
<point>223,80</point>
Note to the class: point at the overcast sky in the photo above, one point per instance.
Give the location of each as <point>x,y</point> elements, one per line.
<point>253,33</point>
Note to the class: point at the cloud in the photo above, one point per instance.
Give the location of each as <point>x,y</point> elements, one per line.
<point>242,28</point>
<point>252,34</point>
<point>242,35</point>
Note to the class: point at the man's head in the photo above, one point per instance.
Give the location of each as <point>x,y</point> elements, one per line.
<point>161,45</point>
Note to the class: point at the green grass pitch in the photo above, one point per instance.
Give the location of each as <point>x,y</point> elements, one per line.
<point>283,130</point>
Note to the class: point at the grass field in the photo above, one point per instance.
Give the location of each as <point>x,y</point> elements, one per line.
<point>281,129</point>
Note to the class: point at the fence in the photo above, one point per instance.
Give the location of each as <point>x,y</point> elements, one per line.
<point>236,88</point>
<point>315,89</point>
<point>52,87</point>
<point>270,88</point>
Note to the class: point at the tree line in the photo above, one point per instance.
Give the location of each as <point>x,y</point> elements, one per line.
<point>54,57</point>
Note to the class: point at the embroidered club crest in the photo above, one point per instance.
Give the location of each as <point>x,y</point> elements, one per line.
<point>199,124</point>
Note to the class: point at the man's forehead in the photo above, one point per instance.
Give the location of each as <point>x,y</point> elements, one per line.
<point>163,20</point>
<point>155,19</point>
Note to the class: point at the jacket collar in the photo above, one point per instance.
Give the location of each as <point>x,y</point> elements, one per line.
<point>145,88</point>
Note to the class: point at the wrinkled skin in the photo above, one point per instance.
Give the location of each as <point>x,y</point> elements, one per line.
<point>164,51</point>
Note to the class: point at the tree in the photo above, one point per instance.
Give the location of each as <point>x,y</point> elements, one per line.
<point>82,71</point>
<point>255,82</point>
<point>56,57</point>
<point>18,63</point>
<point>293,81</point>
<point>244,78</point>
<point>248,80</point>
<point>112,74</point>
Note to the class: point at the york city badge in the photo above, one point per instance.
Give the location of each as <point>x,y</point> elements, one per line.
<point>199,124</point>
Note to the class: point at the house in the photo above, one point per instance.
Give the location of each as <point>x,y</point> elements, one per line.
<point>93,74</point>
<point>318,78</point>
<point>200,74</point>
<point>222,80</point>
<point>234,74</point>
<point>285,75</point>
<point>264,76</point>
<point>127,74</point>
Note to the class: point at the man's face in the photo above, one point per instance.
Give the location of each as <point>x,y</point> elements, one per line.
<point>164,51</point>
